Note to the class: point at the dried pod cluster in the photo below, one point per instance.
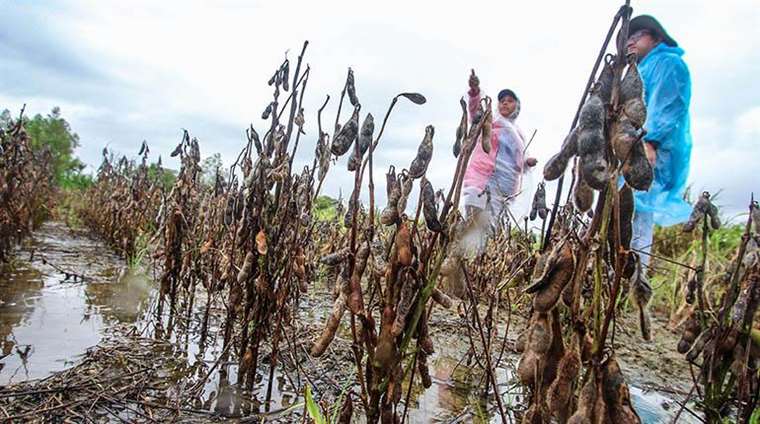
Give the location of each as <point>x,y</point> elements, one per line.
<point>552,368</point>
<point>386,276</point>
<point>552,273</point>
<point>603,129</point>
<point>26,185</point>
<point>424,154</point>
<point>721,338</point>
<point>704,208</point>
<point>547,365</point>
<point>247,238</point>
<point>642,294</point>
<point>461,129</point>
<point>538,207</point>
<point>344,139</point>
<point>125,201</point>
<point>588,264</point>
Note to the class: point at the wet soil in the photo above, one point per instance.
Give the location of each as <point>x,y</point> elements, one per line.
<point>47,322</point>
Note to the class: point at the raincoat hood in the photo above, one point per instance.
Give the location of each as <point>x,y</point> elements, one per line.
<point>512,117</point>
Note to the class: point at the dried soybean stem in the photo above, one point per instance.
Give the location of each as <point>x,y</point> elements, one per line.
<point>586,90</point>
<point>489,369</point>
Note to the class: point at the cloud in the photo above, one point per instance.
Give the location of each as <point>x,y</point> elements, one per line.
<point>145,70</point>
<point>748,123</point>
<point>29,41</point>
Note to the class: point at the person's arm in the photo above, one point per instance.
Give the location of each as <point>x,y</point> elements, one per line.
<point>651,152</point>
<point>668,103</point>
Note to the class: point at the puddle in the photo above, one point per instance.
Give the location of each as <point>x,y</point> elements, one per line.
<point>655,408</point>
<point>47,321</point>
<point>456,393</point>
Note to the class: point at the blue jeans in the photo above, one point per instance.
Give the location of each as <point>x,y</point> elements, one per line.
<point>643,233</point>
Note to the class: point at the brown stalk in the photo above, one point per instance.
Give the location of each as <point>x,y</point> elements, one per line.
<point>486,345</point>
<point>624,10</point>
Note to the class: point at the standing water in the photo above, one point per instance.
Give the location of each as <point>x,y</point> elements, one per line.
<point>63,292</point>
<point>47,315</point>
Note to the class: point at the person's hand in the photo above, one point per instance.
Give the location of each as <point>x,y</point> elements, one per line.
<point>651,152</point>
<point>531,162</point>
<point>474,81</point>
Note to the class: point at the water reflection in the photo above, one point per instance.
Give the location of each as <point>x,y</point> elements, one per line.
<point>16,304</point>
<point>46,320</point>
<point>122,302</point>
<point>45,323</point>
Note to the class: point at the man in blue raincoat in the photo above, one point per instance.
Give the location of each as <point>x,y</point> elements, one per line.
<point>667,92</point>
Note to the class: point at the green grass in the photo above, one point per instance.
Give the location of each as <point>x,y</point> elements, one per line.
<point>74,181</point>
<point>667,279</point>
<point>68,205</point>
<point>325,208</point>
<point>313,408</point>
<point>141,250</point>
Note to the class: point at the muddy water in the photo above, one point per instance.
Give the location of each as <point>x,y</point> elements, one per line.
<point>47,321</point>
<point>456,394</point>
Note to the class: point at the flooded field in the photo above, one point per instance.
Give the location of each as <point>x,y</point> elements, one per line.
<point>64,293</point>
<point>48,318</point>
<point>366,252</point>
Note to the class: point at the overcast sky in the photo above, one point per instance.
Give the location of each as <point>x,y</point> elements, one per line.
<point>127,71</point>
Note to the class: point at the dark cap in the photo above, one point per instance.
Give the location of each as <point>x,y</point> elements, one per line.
<point>507,92</point>
<point>649,23</point>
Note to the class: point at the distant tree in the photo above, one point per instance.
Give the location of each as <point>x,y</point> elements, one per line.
<point>167,176</point>
<point>54,133</point>
<point>77,181</point>
<point>209,167</point>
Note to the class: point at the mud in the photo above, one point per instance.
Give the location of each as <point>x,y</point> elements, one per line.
<point>48,321</point>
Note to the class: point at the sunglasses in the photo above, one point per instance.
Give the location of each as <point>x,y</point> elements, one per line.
<point>636,36</point>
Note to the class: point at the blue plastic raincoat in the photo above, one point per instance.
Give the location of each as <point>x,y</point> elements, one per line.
<point>667,92</point>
